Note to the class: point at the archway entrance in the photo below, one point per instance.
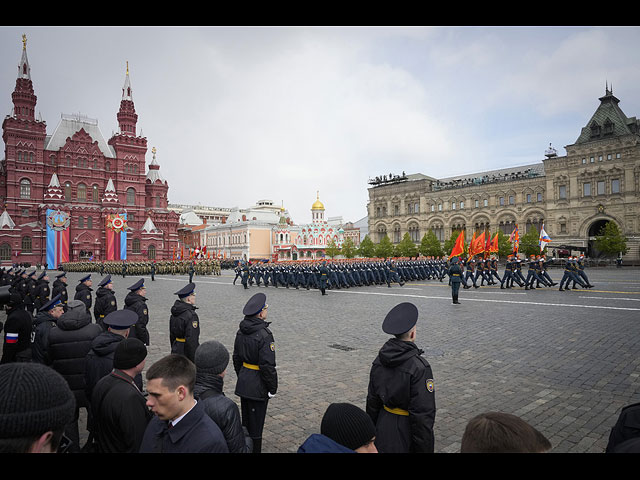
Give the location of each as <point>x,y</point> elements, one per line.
<point>594,230</point>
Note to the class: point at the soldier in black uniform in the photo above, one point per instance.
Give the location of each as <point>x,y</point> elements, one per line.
<point>455,278</point>
<point>153,271</point>
<point>83,292</point>
<point>254,361</point>
<point>136,301</point>
<point>60,288</point>
<point>184,324</point>
<point>105,301</point>
<point>324,276</point>
<point>42,291</point>
<point>401,399</point>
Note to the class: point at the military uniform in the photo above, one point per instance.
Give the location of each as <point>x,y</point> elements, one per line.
<point>105,301</point>
<point>137,303</point>
<point>83,292</point>
<point>184,325</point>
<point>401,392</point>
<point>455,278</point>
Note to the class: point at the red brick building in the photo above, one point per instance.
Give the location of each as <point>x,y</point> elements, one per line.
<point>86,180</point>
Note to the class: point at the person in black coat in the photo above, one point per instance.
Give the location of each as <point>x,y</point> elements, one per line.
<point>137,302</point>
<point>60,288</point>
<point>46,319</point>
<point>42,291</point>
<point>101,355</point>
<point>400,397</point>
<point>120,413</point>
<point>83,292</point>
<point>254,361</point>
<point>17,331</point>
<point>211,362</point>
<point>184,324</point>
<point>455,278</point>
<point>105,301</point>
<point>69,342</point>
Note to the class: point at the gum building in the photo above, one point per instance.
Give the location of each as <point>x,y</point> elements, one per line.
<point>597,181</point>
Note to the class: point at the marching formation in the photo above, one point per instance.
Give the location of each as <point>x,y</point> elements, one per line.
<point>152,267</point>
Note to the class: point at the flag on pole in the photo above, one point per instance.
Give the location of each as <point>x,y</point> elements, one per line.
<point>472,243</point>
<point>493,247</point>
<point>458,248</point>
<point>477,246</point>
<point>116,236</point>
<point>514,238</point>
<point>544,238</point>
<point>57,238</point>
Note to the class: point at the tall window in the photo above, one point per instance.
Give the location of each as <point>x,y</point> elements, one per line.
<point>82,192</point>
<point>131,196</point>
<point>94,194</point>
<point>586,189</point>
<point>5,251</point>
<point>67,191</point>
<point>25,188</point>
<point>562,191</point>
<point>26,244</point>
<point>615,185</point>
<point>151,252</point>
<point>135,245</point>
<point>601,187</point>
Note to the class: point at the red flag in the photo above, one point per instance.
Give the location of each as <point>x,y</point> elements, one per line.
<point>494,244</point>
<point>478,246</point>
<point>458,248</point>
<point>472,243</point>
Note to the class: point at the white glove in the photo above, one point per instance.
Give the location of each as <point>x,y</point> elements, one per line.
<point>271,395</point>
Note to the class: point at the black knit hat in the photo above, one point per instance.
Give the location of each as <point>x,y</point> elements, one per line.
<point>347,425</point>
<point>129,353</point>
<point>211,357</point>
<point>34,399</point>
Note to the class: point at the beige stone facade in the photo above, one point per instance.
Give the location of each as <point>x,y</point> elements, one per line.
<point>598,180</point>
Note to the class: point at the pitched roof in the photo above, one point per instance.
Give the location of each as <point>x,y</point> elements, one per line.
<point>608,113</point>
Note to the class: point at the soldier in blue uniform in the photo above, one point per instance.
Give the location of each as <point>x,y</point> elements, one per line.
<point>393,274</point>
<point>581,273</point>
<point>324,276</point>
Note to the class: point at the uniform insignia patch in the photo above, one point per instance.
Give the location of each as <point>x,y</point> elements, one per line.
<point>430,386</point>
<point>273,347</point>
<point>144,311</point>
<point>89,296</point>
<point>113,302</point>
<point>194,324</point>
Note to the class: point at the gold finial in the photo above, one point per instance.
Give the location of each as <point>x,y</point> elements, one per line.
<point>153,150</point>
<point>127,67</point>
<point>24,41</point>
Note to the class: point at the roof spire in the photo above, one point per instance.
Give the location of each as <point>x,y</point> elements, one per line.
<point>126,89</point>
<point>24,70</point>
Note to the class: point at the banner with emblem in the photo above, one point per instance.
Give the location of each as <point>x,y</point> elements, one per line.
<point>116,236</point>
<point>57,238</point>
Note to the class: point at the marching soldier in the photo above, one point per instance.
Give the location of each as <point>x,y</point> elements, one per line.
<point>455,278</point>
<point>184,324</point>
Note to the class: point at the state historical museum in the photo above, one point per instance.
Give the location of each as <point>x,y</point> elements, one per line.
<point>71,195</point>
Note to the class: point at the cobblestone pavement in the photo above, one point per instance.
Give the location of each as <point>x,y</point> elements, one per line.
<point>566,362</point>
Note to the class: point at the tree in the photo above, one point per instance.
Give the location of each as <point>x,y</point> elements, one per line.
<point>348,248</point>
<point>505,248</point>
<point>332,249</point>
<point>430,245</point>
<point>611,242</point>
<point>367,248</point>
<point>384,249</point>
<point>530,243</point>
<point>406,247</point>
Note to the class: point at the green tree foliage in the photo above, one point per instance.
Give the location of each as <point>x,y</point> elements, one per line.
<point>505,247</point>
<point>349,250</point>
<point>385,248</point>
<point>430,245</point>
<point>367,248</point>
<point>611,241</point>
<point>332,249</point>
<point>406,247</point>
<point>530,243</point>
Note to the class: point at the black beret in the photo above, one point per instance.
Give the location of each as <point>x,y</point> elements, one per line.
<point>121,319</point>
<point>136,286</point>
<point>400,319</point>
<point>186,291</point>
<point>105,281</point>
<point>255,304</point>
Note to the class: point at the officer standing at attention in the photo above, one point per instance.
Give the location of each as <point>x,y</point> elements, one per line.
<point>401,399</point>
<point>324,275</point>
<point>254,361</point>
<point>137,302</point>
<point>184,324</point>
<point>455,278</point>
<point>105,301</point>
<point>60,288</point>
<point>83,292</point>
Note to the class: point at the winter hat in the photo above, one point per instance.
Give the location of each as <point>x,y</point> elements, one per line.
<point>129,353</point>
<point>347,425</point>
<point>34,399</point>
<point>211,357</point>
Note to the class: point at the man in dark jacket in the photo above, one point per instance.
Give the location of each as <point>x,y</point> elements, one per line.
<point>29,291</point>
<point>184,324</point>
<point>180,424</point>
<point>254,361</point>
<point>42,291</point>
<point>105,301</point>
<point>69,343</point>
<point>137,302</point>
<point>83,292</point>
<point>455,278</point>
<point>211,362</point>
<point>17,331</point>
<point>400,397</point>
<point>60,288</point>
<point>103,347</point>
<point>43,323</point>
<point>120,413</point>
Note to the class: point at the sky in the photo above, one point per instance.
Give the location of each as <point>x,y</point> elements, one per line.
<point>242,114</point>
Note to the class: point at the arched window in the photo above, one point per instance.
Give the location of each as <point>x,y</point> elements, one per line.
<point>80,222</point>
<point>67,191</point>
<point>82,192</point>
<point>26,244</point>
<point>107,166</point>
<point>131,196</point>
<point>5,251</point>
<point>95,195</point>
<point>151,252</point>
<point>25,188</point>
<point>89,223</point>
<point>135,245</point>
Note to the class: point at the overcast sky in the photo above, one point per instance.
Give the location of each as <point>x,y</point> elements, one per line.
<point>243,114</point>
